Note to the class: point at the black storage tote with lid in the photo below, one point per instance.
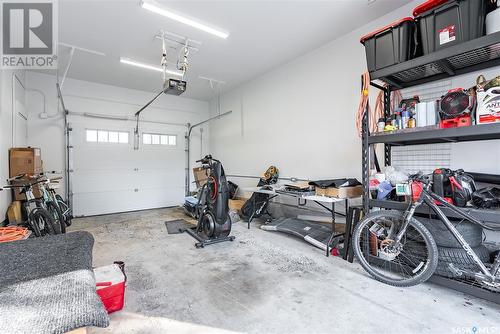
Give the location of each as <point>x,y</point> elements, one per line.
<point>392,44</point>
<point>443,23</point>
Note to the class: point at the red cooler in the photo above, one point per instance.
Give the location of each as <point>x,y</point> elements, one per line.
<point>110,285</point>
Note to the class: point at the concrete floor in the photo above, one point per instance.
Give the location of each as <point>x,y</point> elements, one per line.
<point>263,282</point>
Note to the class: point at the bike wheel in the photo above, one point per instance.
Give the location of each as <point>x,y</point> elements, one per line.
<point>59,221</point>
<point>65,210</point>
<point>45,222</point>
<point>34,225</point>
<point>395,264</point>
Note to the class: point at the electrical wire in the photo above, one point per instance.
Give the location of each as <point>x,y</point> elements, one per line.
<point>378,112</point>
<point>13,233</point>
<point>364,104</point>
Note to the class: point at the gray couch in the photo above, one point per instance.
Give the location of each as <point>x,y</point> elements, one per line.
<point>47,285</point>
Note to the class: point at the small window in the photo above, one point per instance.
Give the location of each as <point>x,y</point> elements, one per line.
<point>123,137</point>
<point>104,136</point>
<point>159,139</point>
<point>91,135</point>
<point>146,139</point>
<point>113,137</point>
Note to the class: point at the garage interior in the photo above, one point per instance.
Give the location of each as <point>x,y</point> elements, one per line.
<point>250,166</point>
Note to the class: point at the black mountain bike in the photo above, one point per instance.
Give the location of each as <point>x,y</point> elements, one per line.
<point>395,248</point>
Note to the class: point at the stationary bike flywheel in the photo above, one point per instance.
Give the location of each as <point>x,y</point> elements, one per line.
<point>208,224</point>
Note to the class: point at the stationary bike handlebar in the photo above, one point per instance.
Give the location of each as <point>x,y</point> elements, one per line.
<point>207,159</point>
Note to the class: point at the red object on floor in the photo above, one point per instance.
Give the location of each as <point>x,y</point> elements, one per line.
<point>334,252</point>
<point>110,286</point>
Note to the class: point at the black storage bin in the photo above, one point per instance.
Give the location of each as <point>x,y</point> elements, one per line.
<point>445,23</point>
<point>392,44</point>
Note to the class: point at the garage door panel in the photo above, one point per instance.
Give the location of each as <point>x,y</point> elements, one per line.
<point>158,197</point>
<point>152,178</point>
<point>94,157</point>
<point>103,180</point>
<point>113,177</point>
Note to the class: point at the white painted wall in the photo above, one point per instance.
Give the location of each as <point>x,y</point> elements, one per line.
<point>301,115</point>
<point>11,90</point>
<point>87,97</point>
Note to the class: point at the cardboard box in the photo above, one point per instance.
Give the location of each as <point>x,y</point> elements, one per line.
<point>14,215</point>
<point>343,192</point>
<point>25,160</point>
<point>200,176</point>
<point>236,204</point>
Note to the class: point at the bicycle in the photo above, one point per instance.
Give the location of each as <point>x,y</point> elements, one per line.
<point>38,218</point>
<point>54,202</point>
<point>396,249</point>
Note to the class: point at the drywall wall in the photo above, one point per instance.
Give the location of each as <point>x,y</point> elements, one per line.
<point>300,116</point>
<point>92,98</point>
<point>12,124</point>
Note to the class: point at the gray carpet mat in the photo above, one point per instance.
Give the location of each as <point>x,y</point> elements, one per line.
<point>177,226</point>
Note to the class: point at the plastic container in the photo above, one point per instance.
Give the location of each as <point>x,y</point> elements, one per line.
<point>110,286</point>
<point>493,21</point>
<point>392,44</point>
<point>445,23</point>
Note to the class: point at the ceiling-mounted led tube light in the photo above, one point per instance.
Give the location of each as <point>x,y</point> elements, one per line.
<point>151,6</point>
<point>148,67</point>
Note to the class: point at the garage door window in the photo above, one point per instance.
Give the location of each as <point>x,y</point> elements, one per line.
<point>106,136</point>
<point>159,139</point>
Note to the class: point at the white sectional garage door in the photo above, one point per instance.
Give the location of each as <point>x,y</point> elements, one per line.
<point>109,176</point>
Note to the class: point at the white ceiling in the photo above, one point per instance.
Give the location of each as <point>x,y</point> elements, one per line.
<point>263,35</point>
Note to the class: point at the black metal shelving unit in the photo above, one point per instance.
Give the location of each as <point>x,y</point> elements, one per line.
<point>459,59</point>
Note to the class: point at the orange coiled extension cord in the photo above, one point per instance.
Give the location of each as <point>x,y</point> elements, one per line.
<point>13,233</point>
<point>379,106</point>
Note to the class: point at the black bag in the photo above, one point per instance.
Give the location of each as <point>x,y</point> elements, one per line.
<point>255,203</point>
<point>233,189</point>
<point>487,198</point>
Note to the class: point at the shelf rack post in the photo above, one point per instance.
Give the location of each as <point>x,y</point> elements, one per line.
<point>365,155</point>
<point>387,114</point>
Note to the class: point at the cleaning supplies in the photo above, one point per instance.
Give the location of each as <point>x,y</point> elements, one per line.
<point>421,114</point>
<point>488,106</point>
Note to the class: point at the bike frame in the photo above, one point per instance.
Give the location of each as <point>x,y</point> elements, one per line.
<point>430,198</point>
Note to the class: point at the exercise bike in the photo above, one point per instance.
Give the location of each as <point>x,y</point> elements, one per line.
<point>214,223</point>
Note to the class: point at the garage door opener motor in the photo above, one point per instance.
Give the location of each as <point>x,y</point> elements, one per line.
<point>214,223</point>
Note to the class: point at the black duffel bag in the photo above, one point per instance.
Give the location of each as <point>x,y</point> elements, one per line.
<point>487,198</point>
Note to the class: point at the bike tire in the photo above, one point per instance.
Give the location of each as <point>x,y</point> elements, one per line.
<point>62,203</point>
<point>431,260</point>
<point>459,258</point>
<point>33,225</point>
<point>49,224</point>
<point>58,216</point>
<point>472,233</point>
